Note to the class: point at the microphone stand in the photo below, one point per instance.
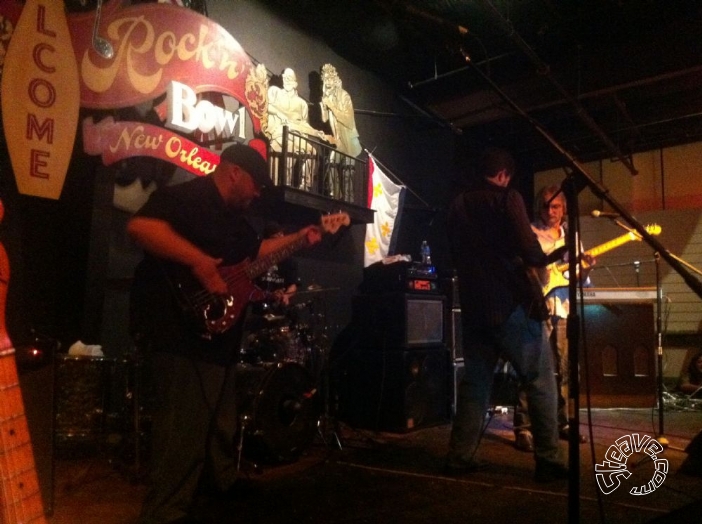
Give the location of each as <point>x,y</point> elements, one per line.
<point>659,350</point>
<point>662,440</point>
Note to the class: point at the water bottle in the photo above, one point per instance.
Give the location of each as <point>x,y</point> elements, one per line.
<point>425,252</point>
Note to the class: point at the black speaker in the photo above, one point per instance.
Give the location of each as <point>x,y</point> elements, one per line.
<point>400,320</point>
<point>395,391</point>
<point>692,465</point>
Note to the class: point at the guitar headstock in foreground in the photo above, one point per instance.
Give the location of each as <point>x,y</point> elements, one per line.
<point>651,229</point>
<point>333,222</point>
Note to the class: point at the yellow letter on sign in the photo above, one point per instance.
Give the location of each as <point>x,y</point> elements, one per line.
<point>40,98</point>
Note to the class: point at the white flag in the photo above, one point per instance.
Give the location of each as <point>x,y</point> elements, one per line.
<point>386,199</point>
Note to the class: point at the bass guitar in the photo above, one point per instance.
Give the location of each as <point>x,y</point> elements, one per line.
<point>21,496</point>
<point>215,314</point>
<point>555,274</point>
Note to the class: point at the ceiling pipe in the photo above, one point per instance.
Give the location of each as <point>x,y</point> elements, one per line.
<point>545,70</point>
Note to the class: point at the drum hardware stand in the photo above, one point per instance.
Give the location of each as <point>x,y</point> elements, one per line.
<point>135,434</point>
<point>243,466</point>
<point>326,421</point>
<point>326,424</point>
<point>243,419</point>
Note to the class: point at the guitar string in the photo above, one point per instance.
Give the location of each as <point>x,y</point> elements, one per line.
<point>24,505</point>
<point>330,224</point>
<point>18,498</point>
<point>5,461</point>
<point>8,460</point>
<point>202,297</point>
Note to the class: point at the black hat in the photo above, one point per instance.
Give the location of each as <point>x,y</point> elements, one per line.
<point>250,161</point>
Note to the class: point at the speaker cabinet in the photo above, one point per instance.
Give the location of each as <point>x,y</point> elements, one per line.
<point>620,355</point>
<point>395,391</point>
<point>400,320</point>
<point>692,465</point>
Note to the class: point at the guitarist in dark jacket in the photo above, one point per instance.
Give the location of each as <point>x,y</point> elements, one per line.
<point>502,313</point>
<point>189,233</point>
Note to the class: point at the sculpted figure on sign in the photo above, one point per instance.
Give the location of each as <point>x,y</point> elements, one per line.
<point>286,108</point>
<point>337,109</point>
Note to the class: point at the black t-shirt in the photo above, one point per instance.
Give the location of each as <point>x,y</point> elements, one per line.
<point>195,210</point>
<point>279,276</point>
<point>491,242</point>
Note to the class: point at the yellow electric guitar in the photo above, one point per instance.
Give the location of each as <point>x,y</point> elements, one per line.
<point>555,274</point>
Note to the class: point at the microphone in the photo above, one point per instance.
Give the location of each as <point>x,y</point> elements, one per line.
<point>596,213</point>
<point>101,46</point>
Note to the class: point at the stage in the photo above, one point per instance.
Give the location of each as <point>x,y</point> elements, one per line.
<point>393,477</point>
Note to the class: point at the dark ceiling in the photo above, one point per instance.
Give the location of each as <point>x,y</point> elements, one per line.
<point>603,78</point>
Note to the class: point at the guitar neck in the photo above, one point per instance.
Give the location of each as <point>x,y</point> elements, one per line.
<point>261,264</point>
<point>602,248</point>
<point>22,500</point>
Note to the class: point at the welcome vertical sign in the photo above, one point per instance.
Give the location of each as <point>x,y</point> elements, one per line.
<point>40,98</point>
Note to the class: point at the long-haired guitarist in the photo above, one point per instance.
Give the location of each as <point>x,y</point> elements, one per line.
<point>549,227</point>
<point>186,301</point>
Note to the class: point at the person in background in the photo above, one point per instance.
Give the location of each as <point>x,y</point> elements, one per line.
<point>188,231</point>
<point>549,227</point>
<point>281,279</point>
<point>492,245</point>
<point>691,380</point>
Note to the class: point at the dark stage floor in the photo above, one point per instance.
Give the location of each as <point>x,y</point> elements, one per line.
<point>387,477</point>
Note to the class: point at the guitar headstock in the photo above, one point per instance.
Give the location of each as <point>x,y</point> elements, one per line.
<point>333,222</point>
<point>653,229</point>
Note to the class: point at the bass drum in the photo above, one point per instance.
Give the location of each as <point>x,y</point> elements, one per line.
<point>282,406</point>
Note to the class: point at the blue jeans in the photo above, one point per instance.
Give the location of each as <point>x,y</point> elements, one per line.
<point>523,342</point>
<point>558,341</point>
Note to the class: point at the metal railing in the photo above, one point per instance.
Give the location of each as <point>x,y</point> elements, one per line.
<point>311,165</point>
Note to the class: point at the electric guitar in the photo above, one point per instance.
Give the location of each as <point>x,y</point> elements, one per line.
<point>555,273</point>
<point>215,314</point>
<point>20,496</point>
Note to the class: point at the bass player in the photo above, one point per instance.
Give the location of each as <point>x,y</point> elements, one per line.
<point>197,227</point>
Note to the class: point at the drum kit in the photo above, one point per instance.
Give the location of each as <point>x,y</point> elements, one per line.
<point>282,391</point>
<point>281,379</point>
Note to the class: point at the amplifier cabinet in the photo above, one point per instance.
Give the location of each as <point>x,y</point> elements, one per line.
<point>395,391</point>
<point>400,320</point>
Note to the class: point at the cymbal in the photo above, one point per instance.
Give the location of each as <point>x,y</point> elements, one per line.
<point>315,289</point>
